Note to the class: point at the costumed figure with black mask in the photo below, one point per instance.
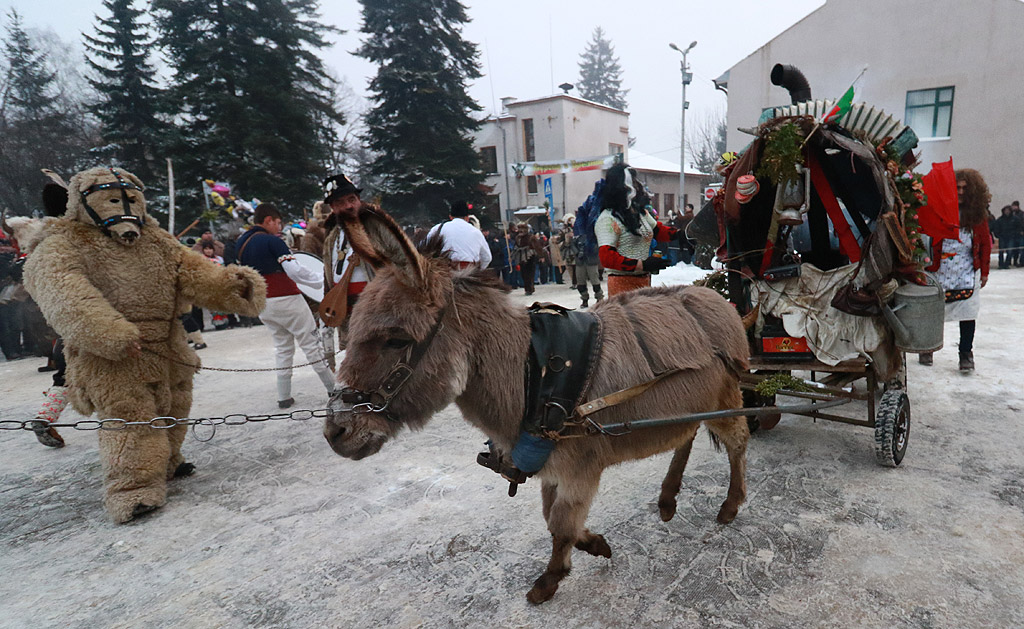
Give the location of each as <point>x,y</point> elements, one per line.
<point>624,232</point>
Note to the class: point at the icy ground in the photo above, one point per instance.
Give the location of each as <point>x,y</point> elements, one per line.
<point>275,530</point>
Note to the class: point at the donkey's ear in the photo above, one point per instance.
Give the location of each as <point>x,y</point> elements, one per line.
<point>379,240</point>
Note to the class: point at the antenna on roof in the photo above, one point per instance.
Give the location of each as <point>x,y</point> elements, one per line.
<point>565,87</point>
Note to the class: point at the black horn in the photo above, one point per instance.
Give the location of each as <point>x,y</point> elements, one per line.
<point>793,80</point>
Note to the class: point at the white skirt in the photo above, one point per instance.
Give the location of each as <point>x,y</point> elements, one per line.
<point>966,309</point>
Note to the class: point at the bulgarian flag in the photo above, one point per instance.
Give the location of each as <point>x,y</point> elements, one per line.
<point>840,109</point>
<point>843,105</point>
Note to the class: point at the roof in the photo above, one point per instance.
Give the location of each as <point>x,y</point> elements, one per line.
<point>643,161</point>
<point>577,99</point>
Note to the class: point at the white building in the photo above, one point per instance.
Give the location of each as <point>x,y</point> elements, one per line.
<point>661,176</point>
<point>553,128</point>
<point>949,68</point>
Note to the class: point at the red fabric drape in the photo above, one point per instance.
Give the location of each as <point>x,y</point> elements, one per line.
<point>941,217</point>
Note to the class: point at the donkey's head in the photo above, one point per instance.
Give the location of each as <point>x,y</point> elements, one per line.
<point>402,362</point>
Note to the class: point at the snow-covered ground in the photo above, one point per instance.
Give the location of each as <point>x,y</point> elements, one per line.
<point>274,530</point>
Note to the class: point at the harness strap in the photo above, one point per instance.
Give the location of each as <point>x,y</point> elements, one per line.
<point>121,184</point>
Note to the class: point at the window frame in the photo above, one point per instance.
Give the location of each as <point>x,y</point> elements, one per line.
<point>485,162</point>
<point>529,141</point>
<point>935,105</point>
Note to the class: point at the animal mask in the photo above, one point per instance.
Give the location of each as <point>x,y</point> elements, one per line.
<point>110,198</point>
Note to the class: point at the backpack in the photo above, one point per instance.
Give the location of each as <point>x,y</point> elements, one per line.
<point>585,239</point>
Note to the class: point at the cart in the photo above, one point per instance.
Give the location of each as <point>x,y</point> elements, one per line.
<point>822,195</point>
<point>888,407</point>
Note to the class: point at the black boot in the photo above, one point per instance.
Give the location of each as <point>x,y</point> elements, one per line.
<point>583,296</point>
<point>925,358</point>
<point>967,361</point>
<point>598,293</point>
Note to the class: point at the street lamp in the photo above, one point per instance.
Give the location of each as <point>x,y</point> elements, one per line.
<point>687,77</point>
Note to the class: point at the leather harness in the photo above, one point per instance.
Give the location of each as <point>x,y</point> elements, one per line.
<point>106,224</point>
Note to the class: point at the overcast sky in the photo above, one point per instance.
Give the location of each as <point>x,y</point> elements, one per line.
<point>528,47</point>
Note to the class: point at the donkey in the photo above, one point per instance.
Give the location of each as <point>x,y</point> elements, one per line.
<point>471,343</point>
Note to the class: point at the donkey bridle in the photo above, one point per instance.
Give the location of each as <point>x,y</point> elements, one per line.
<point>123,185</point>
<point>377,401</point>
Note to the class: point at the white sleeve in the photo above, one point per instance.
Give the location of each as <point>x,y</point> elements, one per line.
<point>485,252</point>
<point>299,273</point>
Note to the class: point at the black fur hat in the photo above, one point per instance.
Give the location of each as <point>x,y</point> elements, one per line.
<point>337,186</point>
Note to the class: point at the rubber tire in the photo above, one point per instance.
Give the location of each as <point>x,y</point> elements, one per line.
<point>892,428</point>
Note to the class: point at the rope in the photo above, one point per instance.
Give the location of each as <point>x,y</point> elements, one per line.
<point>194,366</point>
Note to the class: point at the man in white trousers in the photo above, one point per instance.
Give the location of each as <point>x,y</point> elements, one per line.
<point>286,315</point>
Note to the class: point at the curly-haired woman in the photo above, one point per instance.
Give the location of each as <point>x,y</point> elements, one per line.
<point>624,232</point>
<point>962,266</point>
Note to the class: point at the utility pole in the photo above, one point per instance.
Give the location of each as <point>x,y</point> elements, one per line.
<point>170,196</point>
<point>687,78</point>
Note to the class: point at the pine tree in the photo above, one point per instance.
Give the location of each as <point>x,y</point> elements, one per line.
<point>600,74</point>
<point>37,130</point>
<point>255,100</point>
<point>130,102</point>
<point>421,123</point>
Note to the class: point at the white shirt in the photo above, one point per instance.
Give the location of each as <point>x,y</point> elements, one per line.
<point>464,242</point>
<point>358,273</point>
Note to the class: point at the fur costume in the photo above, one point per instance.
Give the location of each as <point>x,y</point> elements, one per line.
<point>114,294</point>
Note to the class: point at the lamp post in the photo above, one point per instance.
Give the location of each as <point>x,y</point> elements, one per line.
<point>687,77</point>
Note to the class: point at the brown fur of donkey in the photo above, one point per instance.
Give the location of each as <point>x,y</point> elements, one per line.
<point>476,361</point>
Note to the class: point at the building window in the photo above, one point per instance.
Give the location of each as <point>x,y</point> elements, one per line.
<point>489,160</point>
<point>656,201</point>
<point>614,149</point>
<point>930,112</point>
<point>670,202</point>
<point>528,147</point>
<point>531,184</point>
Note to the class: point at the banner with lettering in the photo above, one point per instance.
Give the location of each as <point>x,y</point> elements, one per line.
<point>527,169</point>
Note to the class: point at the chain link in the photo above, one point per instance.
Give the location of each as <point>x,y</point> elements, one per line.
<point>165,423</point>
<point>203,368</point>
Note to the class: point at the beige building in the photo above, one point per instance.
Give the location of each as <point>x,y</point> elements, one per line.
<point>661,177</point>
<point>949,68</point>
<point>554,128</point>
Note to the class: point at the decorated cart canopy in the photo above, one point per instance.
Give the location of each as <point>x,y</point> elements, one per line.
<point>818,223</point>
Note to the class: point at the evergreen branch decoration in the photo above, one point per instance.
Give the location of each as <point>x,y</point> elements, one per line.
<point>782,154</point>
<point>778,382</point>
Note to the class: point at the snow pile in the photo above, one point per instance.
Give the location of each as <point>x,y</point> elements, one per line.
<point>681,273</point>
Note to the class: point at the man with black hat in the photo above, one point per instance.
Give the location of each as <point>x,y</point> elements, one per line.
<point>341,263</point>
<point>464,243</point>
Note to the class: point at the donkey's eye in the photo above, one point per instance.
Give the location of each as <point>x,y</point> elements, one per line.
<point>115,200</point>
<point>398,342</point>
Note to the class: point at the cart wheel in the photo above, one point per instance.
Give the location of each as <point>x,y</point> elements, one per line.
<point>892,428</point>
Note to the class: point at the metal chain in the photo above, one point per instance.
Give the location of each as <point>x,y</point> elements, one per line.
<point>181,362</point>
<point>164,423</point>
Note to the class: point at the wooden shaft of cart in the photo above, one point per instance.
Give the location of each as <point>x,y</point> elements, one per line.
<point>823,401</point>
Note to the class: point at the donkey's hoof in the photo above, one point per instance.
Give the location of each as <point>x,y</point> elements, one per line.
<point>185,469</point>
<point>544,587</point>
<point>596,546</point>
<point>667,509</point>
<point>727,513</point>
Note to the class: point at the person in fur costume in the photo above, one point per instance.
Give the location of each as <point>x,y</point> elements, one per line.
<point>112,283</point>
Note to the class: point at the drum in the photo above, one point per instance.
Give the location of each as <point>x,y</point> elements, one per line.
<point>315,264</point>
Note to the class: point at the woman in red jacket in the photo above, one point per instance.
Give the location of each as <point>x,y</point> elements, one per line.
<point>961,266</point>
